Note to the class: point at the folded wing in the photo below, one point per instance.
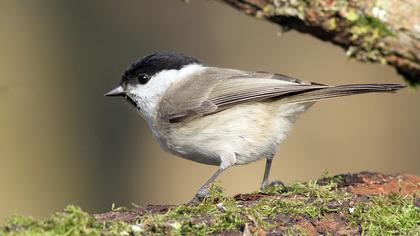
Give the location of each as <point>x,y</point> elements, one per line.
<point>215,90</point>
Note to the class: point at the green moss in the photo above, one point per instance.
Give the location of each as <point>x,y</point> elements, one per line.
<point>365,31</point>
<point>218,213</point>
<point>215,214</point>
<point>375,24</point>
<point>387,215</point>
<point>393,215</point>
<point>71,221</point>
<point>309,199</point>
<point>369,28</point>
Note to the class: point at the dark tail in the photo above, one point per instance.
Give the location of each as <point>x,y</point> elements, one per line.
<point>342,90</point>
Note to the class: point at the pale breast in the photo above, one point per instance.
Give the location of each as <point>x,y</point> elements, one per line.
<point>251,131</point>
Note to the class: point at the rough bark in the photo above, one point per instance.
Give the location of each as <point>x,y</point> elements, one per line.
<point>335,219</point>
<point>351,204</point>
<point>384,31</point>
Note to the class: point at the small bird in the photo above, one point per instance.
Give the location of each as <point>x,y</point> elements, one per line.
<point>220,116</point>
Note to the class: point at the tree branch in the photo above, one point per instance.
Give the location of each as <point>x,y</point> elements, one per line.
<point>384,31</point>
<point>351,204</point>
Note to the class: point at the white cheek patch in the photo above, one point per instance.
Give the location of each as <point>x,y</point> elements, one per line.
<point>148,95</point>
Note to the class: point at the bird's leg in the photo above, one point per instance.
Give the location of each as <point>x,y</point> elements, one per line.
<point>265,181</point>
<point>203,190</point>
<point>266,173</point>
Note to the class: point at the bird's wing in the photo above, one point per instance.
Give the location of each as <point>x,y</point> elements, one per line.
<point>214,90</point>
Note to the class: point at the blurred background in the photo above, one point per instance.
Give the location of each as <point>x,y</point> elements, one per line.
<point>62,142</point>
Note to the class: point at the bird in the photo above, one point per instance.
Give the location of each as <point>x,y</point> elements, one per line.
<point>220,116</point>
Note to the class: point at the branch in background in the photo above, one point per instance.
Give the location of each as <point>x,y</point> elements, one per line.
<point>384,31</point>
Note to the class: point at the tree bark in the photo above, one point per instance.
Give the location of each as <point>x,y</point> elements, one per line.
<point>337,217</point>
<point>384,31</point>
<point>364,203</point>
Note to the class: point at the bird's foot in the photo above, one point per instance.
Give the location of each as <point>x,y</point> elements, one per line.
<point>203,193</point>
<point>274,183</point>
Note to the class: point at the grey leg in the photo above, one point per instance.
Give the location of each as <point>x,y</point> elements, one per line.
<point>203,190</point>
<point>265,181</point>
<point>266,172</point>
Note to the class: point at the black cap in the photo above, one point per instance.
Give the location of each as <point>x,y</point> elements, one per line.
<point>157,62</point>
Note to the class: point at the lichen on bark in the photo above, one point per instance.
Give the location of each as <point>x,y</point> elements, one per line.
<point>378,31</point>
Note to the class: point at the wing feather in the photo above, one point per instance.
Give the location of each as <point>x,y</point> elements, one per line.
<point>215,89</point>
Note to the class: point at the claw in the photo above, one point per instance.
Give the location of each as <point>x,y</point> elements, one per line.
<point>201,194</point>
<point>273,183</point>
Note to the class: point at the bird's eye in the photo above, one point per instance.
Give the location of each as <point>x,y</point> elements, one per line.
<point>143,78</point>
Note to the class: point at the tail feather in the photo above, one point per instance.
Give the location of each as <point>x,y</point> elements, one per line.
<point>342,90</point>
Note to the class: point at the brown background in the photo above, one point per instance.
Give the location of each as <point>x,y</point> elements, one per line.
<point>62,142</point>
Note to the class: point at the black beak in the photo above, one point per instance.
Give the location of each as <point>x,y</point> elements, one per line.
<point>118,91</point>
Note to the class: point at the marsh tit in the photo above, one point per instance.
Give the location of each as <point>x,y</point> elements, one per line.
<point>220,116</point>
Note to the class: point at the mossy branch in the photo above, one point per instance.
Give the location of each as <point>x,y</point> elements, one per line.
<point>384,31</point>
<point>352,204</point>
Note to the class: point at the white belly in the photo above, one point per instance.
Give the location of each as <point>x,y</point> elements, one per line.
<point>249,131</point>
